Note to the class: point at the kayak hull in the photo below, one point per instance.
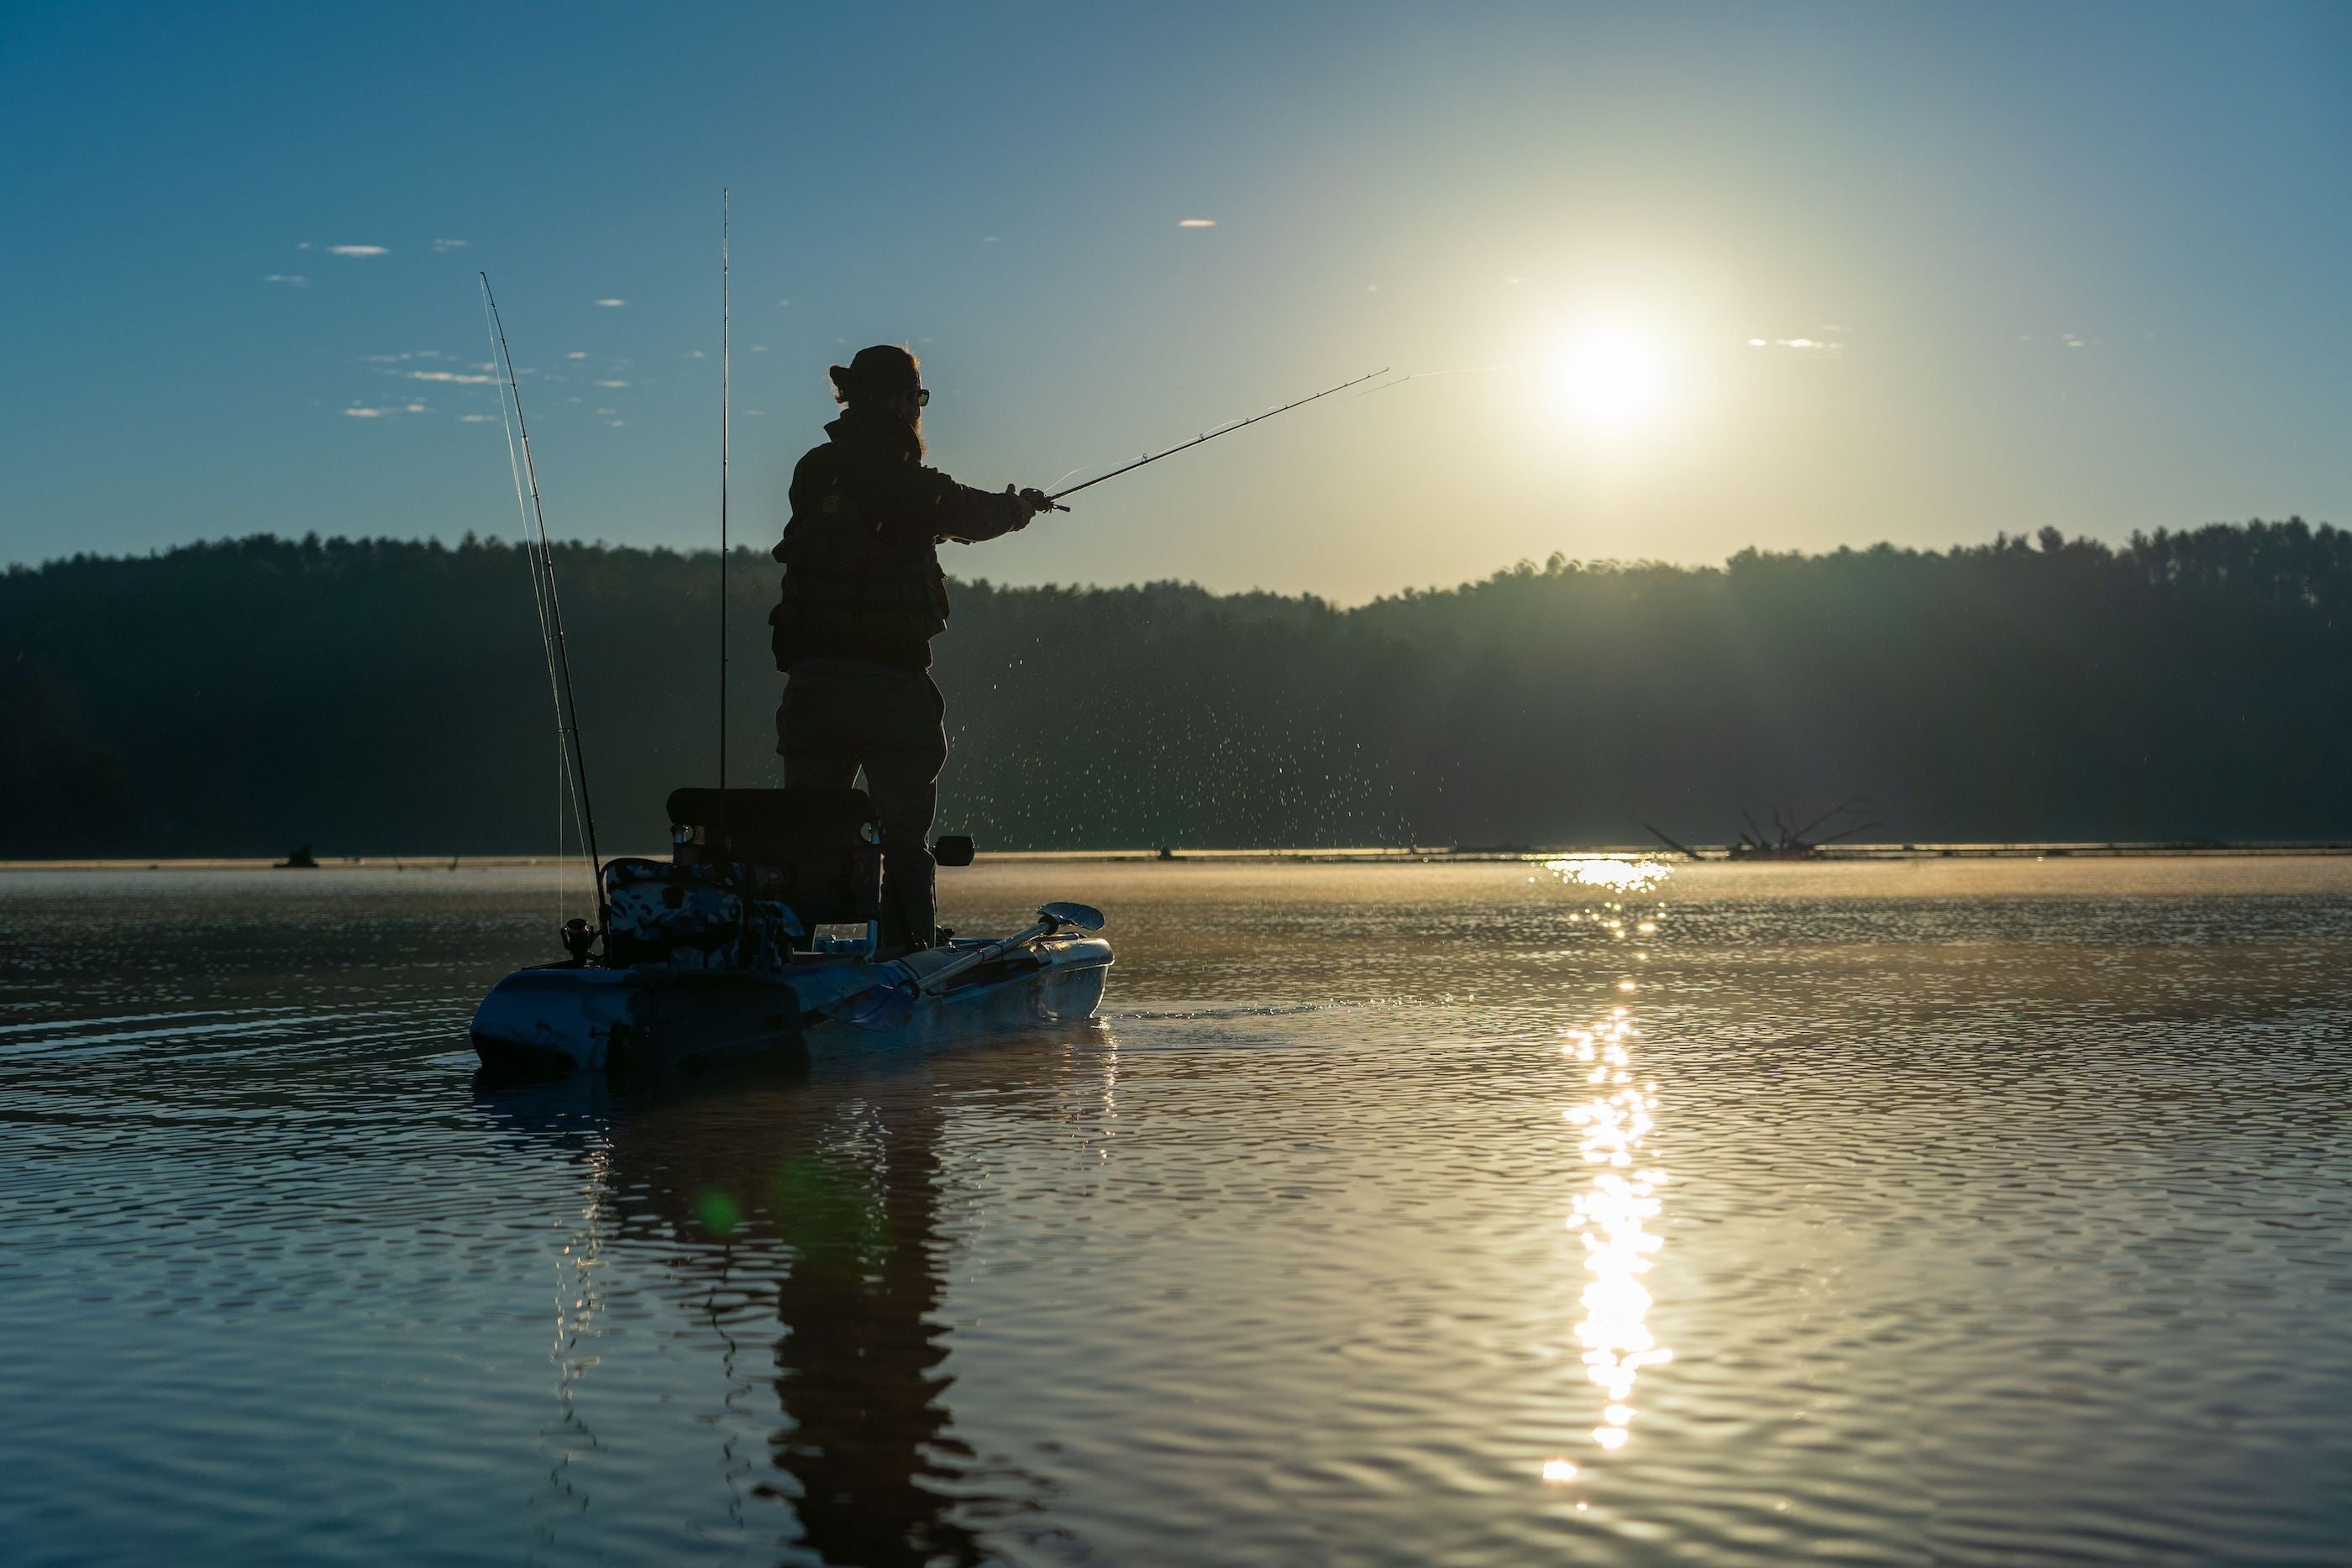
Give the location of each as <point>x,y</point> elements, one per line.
<point>565,1018</point>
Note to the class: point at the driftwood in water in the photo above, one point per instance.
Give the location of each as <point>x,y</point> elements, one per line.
<point>1789,840</point>
<point>1794,842</point>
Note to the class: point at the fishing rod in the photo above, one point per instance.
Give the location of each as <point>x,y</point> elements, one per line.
<point>569,713</point>
<point>726,395</point>
<point>1227,430</point>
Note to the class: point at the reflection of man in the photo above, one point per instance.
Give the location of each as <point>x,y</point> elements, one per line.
<point>755,1195</point>
<point>863,597</point>
<point>857,1369</point>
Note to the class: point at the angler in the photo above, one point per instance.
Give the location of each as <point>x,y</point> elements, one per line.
<point>863,596</point>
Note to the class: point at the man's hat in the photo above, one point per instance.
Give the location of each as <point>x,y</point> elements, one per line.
<point>882,371</point>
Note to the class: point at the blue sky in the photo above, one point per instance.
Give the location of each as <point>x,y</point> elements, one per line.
<point>1881,272</point>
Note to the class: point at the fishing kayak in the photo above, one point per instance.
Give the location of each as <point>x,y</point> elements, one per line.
<point>562,1018</point>
<point>715,957</point>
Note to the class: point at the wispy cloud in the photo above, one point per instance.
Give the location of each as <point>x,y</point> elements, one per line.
<point>478,419</point>
<point>357,250</point>
<point>462,380</point>
<point>356,411</point>
<point>1822,347</point>
<point>291,280</point>
<point>612,304</point>
<point>444,244</point>
<point>612,383</point>
<point>1196,223</point>
<point>577,354</point>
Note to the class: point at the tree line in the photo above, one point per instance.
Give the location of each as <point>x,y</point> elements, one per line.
<point>386,696</point>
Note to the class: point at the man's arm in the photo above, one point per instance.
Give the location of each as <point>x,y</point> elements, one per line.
<point>927,500</point>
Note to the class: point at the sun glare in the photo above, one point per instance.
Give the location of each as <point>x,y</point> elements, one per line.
<point>1608,381</point>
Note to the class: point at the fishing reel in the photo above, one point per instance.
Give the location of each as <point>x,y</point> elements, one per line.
<point>578,937</point>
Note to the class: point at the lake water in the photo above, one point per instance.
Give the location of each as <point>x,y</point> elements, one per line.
<point>1954,1212</point>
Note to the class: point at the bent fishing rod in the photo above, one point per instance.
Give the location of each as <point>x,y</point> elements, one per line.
<point>1211,435</point>
<point>568,714</point>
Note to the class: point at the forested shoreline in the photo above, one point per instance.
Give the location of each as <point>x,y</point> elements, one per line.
<point>384,696</point>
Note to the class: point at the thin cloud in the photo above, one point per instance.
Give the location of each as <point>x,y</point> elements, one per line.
<point>612,304</point>
<point>444,245</point>
<point>478,419</point>
<point>612,383</point>
<point>465,381</point>
<point>1826,350</point>
<point>356,411</point>
<point>357,250</point>
<point>291,280</point>
<point>1196,223</point>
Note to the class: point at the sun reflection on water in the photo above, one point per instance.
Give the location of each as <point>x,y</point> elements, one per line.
<point>1615,1127</point>
<point>1611,1215</point>
<point>1610,871</point>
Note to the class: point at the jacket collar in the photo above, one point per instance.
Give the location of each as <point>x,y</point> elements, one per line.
<point>874,435</point>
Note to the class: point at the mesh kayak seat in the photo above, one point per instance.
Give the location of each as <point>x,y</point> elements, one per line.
<point>817,850</point>
<point>694,916</point>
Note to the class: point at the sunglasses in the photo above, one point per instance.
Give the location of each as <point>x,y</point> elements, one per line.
<point>922,397</point>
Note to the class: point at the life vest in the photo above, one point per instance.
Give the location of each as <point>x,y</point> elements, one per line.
<point>853,588</point>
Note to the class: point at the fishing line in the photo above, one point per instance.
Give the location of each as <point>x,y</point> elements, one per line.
<point>1425,375</point>
<point>555,607</point>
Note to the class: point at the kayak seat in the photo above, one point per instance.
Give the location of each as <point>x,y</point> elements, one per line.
<point>816,850</point>
<point>694,916</point>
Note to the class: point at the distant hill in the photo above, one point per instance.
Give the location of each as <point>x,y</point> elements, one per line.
<point>379,696</point>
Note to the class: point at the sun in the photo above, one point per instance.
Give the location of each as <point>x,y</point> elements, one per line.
<point>1609,380</point>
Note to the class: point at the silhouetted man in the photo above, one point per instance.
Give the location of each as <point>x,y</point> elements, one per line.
<point>863,597</point>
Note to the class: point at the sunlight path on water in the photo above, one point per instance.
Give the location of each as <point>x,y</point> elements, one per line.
<point>1615,1126</point>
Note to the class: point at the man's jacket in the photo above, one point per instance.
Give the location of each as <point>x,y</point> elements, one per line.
<point>862,578</point>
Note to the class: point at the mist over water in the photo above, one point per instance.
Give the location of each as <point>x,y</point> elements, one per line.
<point>1581,1211</point>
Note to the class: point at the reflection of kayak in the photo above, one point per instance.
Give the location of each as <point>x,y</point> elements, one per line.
<point>713,957</point>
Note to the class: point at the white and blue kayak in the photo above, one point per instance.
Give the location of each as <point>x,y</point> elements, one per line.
<point>714,958</point>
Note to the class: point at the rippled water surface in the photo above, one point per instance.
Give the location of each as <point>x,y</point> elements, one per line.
<point>1483,1214</point>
